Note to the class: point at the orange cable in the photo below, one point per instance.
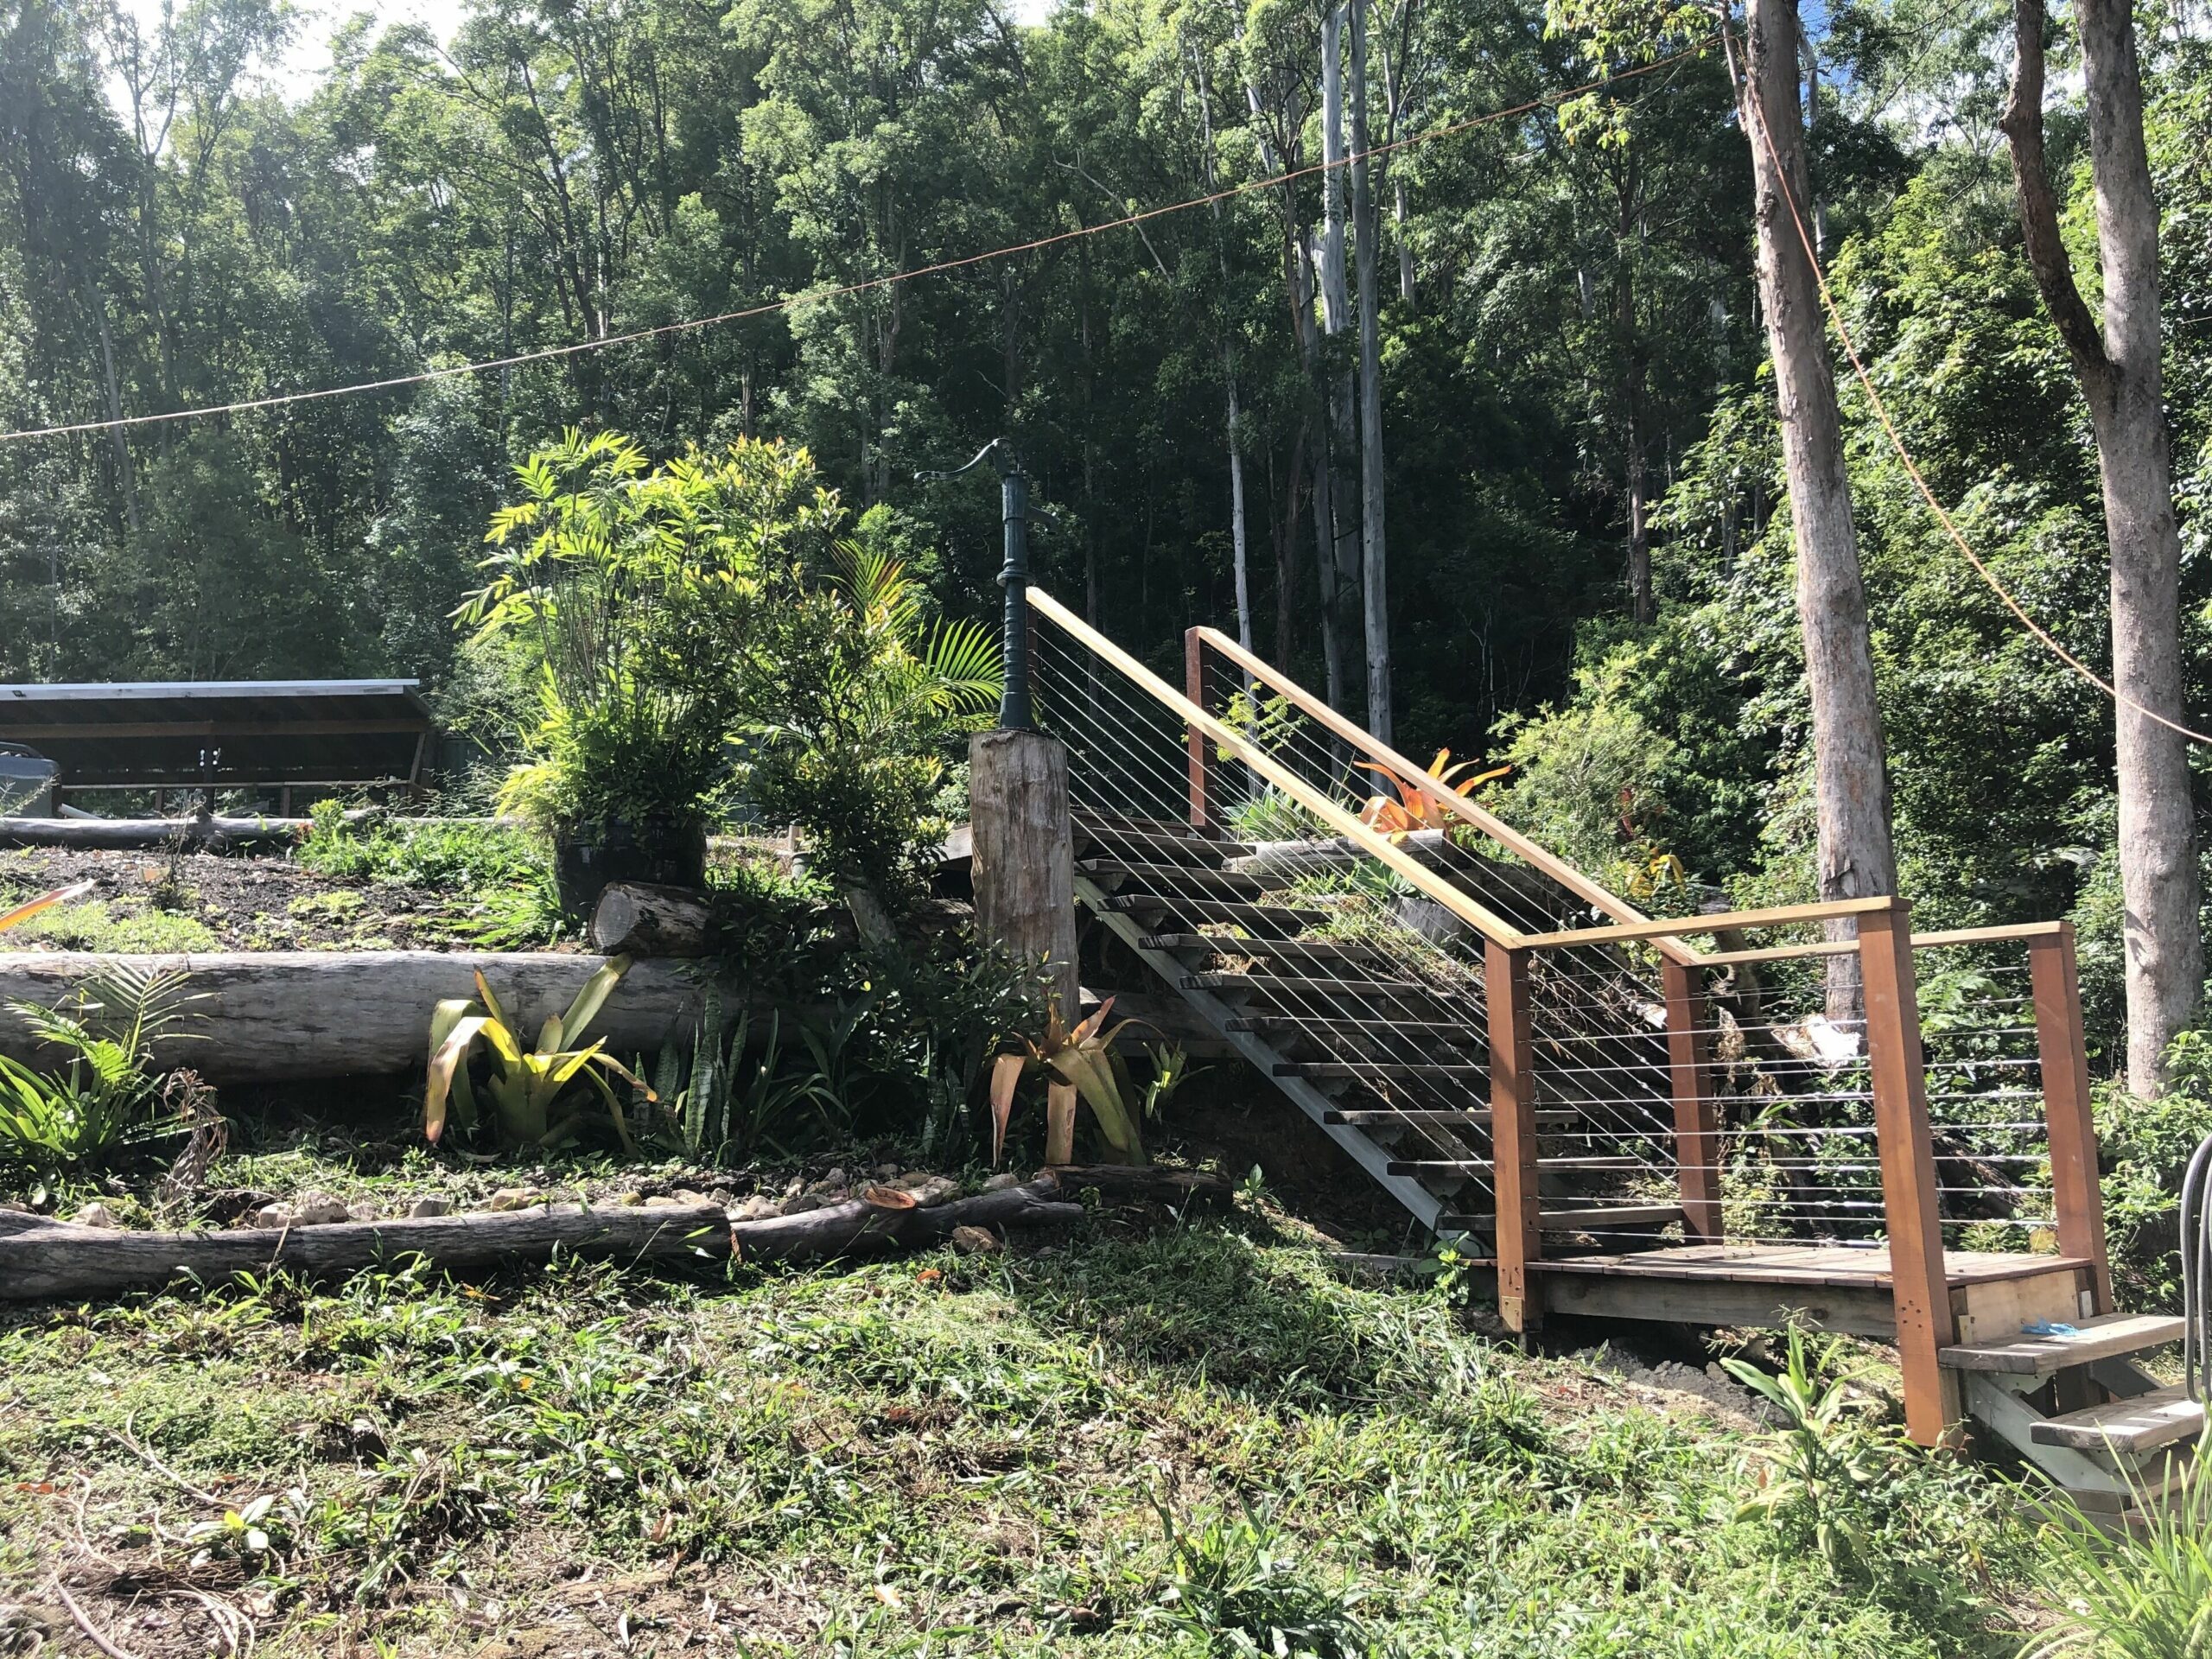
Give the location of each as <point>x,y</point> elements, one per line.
<point>1912,468</point>
<point>282,399</point>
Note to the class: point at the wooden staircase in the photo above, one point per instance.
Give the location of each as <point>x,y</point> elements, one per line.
<point>1395,1070</point>
<point>1528,1064</point>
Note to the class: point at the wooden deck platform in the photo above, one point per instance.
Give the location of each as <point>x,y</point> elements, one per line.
<point>1837,1287</point>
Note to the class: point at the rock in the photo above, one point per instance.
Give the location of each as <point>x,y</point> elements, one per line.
<point>431,1204</point>
<point>796,1185</point>
<point>722,1196</point>
<point>273,1215</point>
<point>514,1198</point>
<point>887,1172</point>
<point>975,1241</point>
<point>663,1201</point>
<point>316,1208</point>
<point>801,1205</point>
<point>687,1195</point>
<point>836,1178</point>
<point>930,1189</point>
<point>629,1201</point>
<point>756,1208</point>
<point>1003,1180</point>
<point>96,1215</point>
<point>362,1209</point>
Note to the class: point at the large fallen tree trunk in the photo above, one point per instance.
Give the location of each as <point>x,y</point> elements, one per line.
<point>270,1016</point>
<point>42,1259</point>
<point>137,835</point>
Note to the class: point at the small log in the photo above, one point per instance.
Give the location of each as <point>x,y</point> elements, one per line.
<point>646,919</point>
<point>46,1259</point>
<point>144,834</point>
<point>1022,845</point>
<point>274,1016</point>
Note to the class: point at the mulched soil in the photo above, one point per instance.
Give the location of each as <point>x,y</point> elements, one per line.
<point>251,904</point>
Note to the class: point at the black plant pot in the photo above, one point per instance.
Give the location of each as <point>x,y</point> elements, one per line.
<point>587,858</point>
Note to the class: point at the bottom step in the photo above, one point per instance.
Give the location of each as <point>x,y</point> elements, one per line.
<point>2130,1427</point>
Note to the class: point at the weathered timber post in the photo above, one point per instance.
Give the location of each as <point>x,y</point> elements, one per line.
<point>1920,1289</point>
<point>1697,1139</point>
<point>2055,984</point>
<point>1513,1134</point>
<point>1023,829</point>
<point>1025,852</point>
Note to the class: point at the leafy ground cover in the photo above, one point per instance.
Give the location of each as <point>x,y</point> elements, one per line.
<point>1181,1439</point>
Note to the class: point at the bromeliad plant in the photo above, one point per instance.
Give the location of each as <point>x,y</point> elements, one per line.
<point>1083,1065</point>
<point>524,1085</point>
<point>1414,808</point>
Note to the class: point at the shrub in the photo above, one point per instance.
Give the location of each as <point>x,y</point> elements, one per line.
<point>2142,1593</point>
<point>2145,1147</point>
<point>107,1097</point>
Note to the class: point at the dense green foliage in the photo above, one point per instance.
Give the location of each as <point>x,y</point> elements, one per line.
<point>1573,308</point>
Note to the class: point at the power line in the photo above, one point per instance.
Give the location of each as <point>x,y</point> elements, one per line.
<point>1747,85</point>
<point>281,400</point>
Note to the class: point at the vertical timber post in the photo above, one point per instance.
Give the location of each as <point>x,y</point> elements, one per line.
<point>1513,1134</point>
<point>1697,1141</point>
<point>1920,1289</point>
<point>1194,688</point>
<point>1025,853</point>
<point>2054,980</point>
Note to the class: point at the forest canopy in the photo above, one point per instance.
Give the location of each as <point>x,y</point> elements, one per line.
<point>1589,554</point>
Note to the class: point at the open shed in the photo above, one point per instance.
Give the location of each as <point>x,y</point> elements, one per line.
<point>276,735</point>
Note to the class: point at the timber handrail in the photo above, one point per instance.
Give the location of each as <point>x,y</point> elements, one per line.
<point>2022,930</point>
<point>1656,928</point>
<point>1458,805</point>
<point>1476,916</point>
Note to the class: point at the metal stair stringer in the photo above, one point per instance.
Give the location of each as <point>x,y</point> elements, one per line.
<point>1425,1206</point>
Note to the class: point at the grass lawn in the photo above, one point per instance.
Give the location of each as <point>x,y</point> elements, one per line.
<point>1191,1442</point>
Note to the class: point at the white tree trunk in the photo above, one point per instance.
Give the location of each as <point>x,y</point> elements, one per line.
<point>1366,227</point>
<point>2121,372</point>
<point>1850,777</point>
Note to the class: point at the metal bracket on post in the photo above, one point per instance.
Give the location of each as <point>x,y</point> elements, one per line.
<point>1015,708</point>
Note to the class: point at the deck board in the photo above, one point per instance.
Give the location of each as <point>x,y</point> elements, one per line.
<point>1838,1265</point>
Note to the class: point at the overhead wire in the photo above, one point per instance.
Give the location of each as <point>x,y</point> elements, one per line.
<point>791,303</point>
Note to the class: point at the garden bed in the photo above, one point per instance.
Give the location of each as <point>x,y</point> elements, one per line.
<point>149,902</point>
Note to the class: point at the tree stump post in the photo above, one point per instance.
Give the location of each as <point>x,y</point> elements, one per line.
<point>1023,867</point>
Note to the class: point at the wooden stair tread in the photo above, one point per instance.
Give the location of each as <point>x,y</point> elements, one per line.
<point>1184,852</point>
<point>2098,1338</point>
<point>1273,950</point>
<point>1423,1116</point>
<point>2146,1421</point>
<point>1292,1025</point>
<point>1227,912</point>
<point>1484,1166</point>
<point>1360,1071</point>
<point>1300,985</point>
<point>1197,878</point>
<point>1595,1219</point>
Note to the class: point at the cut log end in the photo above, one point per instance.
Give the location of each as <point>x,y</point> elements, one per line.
<point>645,918</point>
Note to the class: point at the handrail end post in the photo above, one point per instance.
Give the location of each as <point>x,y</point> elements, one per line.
<point>1519,1236</point>
<point>2077,1201</point>
<point>1920,1286</point>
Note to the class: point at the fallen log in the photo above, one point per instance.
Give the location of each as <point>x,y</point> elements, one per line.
<point>647,919</point>
<point>139,834</point>
<point>42,1259</point>
<point>270,1016</point>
